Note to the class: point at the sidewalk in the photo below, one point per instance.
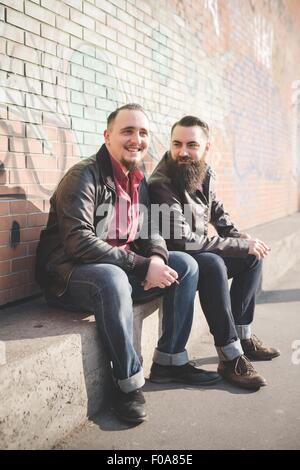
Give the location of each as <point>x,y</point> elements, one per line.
<point>220,417</point>
<point>54,373</point>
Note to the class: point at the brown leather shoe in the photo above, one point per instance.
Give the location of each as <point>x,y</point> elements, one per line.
<point>240,372</point>
<point>256,351</point>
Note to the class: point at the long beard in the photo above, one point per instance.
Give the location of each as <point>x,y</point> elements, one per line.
<point>188,177</point>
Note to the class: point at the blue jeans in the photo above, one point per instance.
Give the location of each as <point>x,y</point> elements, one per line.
<point>229,313</point>
<point>108,292</point>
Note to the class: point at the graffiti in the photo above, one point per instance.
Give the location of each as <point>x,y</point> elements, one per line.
<point>295,93</point>
<point>212,5</point>
<point>90,87</point>
<point>258,143</point>
<point>94,91</point>
<point>259,135</point>
<point>207,58</point>
<point>106,91</point>
<point>263,41</point>
<point>295,102</point>
<point>39,112</point>
<point>80,88</point>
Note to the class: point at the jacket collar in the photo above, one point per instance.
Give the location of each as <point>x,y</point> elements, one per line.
<point>106,170</point>
<point>105,167</point>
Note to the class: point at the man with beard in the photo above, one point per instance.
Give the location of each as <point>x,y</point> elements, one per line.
<point>91,258</point>
<point>184,182</point>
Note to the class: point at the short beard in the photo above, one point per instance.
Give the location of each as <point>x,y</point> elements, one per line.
<point>188,177</point>
<point>130,166</point>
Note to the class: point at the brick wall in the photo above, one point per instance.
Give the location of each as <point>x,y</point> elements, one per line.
<point>65,64</point>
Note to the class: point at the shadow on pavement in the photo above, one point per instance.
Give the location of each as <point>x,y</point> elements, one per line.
<point>278,296</point>
<point>107,421</point>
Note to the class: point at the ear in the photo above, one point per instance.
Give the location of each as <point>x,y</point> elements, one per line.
<point>106,136</point>
<point>207,146</point>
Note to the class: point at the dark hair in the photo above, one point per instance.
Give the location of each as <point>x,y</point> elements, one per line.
<point>189,121</point>
<point>131,106</point>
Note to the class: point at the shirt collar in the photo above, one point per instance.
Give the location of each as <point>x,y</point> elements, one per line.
<point>119,175</point>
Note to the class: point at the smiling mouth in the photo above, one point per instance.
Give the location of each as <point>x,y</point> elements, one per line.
<point>133,150</point>
<point>184,160</point>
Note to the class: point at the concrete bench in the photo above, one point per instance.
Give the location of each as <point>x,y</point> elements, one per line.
<point>53,371</point>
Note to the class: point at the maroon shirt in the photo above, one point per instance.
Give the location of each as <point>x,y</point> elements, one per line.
<point>124,222</point>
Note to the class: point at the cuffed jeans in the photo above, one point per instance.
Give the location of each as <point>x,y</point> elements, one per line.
<point>108,292</point>
<point>229,313</point>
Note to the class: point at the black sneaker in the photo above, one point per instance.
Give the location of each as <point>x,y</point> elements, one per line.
<point>130,407</point>
<point>187,374</point>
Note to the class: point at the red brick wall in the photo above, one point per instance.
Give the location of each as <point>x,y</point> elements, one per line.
<point>64,65</point>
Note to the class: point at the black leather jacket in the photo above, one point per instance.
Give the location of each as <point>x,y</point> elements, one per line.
<point>191,214</point>
<point>75,226</point>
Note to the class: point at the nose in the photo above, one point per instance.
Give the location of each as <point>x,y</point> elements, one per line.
<point>183,152</point>
<point>136,138</point>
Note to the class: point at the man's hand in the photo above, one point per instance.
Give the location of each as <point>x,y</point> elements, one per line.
<point>159,274</point>
<point>258,248</point>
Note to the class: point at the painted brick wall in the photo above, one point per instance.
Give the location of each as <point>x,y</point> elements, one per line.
<point>65,64</point>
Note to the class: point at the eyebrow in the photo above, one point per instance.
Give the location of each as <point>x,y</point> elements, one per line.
<point>180,142</point>
<point>131,128</point>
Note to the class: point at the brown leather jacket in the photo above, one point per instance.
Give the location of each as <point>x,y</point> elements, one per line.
<point>191,214</point>
<point>75,227</point>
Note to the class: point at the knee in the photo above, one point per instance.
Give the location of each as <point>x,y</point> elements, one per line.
<point>184,264</point>
<point>210,263</point>
<point>255,263</point>
<point>112,280</point>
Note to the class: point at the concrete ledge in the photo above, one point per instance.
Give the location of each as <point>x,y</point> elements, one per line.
<point>53,371</point>
<point>53,376</point>
<point>283,237</point>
